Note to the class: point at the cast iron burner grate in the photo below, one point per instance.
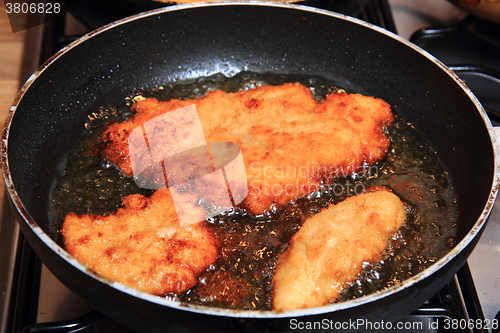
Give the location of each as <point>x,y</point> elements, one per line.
<point>470,48</point>
<point>458,300</point>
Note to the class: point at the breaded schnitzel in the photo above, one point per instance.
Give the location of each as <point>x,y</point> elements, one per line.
<point>329,250</point>
<point>143,245</point>
<point>289,141</point>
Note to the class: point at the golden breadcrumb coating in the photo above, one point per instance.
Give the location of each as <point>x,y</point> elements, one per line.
<point>143,244</point>
<point>329,250</point>
<point>289,141</point>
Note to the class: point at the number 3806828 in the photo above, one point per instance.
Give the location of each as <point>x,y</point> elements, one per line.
<point>32,8</point>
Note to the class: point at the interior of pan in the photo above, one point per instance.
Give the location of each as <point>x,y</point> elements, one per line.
<point>185,42</point>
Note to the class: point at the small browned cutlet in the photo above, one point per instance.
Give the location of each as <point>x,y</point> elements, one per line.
<point>143,244</point>
<point>288,140</point>
<point>329,250</point>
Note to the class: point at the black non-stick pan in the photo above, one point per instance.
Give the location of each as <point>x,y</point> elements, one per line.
<point>183,42</point>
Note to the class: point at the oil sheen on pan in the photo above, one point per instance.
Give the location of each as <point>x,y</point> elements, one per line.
<point>327,156</point>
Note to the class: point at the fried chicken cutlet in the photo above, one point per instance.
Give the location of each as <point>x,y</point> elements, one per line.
<point>290,143</point>
<point>329,250</point>
<point>143,245</point>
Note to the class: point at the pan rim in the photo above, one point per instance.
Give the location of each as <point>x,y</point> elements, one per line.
<point>476,229</point>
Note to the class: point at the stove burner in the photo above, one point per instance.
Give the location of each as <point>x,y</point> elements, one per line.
<point>488,31</point>
<point>454,302</point>
<point>470,48</point>
<point>73,325</point>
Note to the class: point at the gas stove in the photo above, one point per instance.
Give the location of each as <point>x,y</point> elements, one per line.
<point>35,301</point>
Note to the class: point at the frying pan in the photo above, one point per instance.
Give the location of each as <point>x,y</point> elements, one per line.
<point>182,42</point>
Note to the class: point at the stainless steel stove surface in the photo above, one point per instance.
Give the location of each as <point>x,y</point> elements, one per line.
<point>54,302</point>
